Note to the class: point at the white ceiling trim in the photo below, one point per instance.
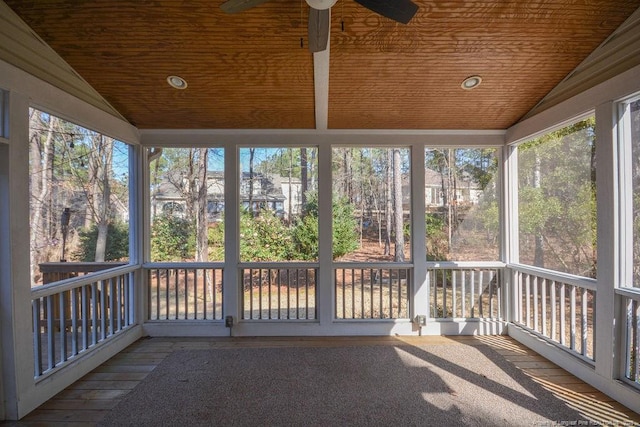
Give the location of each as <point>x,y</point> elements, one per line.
<point>281,137</point>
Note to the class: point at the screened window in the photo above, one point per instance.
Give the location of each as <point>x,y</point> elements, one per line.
<point>634,121</point>
<point>187,216</point>
<point>557,200</point>
<point>79,199</point>
<point>462,204</point>
<point>371,204</point>
<point>278,204</point>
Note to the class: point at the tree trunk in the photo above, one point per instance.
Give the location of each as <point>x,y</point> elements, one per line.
<point>388,216</point>
<point>202,238</point>
<point>41,161</point>
<point>397,199</point>
<point>538,259</point>
<point>304,180</point>
<point>252,152</point>
<point>104,199</point>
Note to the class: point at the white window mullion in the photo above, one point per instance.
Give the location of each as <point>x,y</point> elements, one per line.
<point>325,289</point>
<point>419,303</point>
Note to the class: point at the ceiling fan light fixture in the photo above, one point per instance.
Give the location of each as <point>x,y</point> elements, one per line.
<point>177,82</point>
<point>471,82</point>
<point>321,4</point>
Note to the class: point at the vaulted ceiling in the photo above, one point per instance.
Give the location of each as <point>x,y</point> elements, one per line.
<point>249,71</point>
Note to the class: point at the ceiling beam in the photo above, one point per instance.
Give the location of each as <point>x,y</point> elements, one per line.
<point>321,83</point>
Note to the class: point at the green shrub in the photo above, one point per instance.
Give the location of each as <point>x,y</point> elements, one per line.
<point>345,226</point>
<point>117,243</point>
<point>215,235</point>
<point>264,237</point>
<point>172,239</point>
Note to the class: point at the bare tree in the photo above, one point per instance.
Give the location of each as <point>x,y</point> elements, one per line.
<point>397,201</point>
<point>202,238</point>
<point>389,205</point>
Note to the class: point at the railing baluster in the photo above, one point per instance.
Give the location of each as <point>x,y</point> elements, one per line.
<point>480,292</point>
<point>463,288</point>
<point>536,304</point>
<point>112,307</point>
<point>94,313</point>
<point>288,293</point>
<point>543,307</point>
<point>554,310</point>
<point>214,293</point>
<point>473,294</point>
<point>297,283</point>
<point>635,353</point>
<point>572,309</point>
<point>51,339</point>
<point>584,328</point>
<point>445,286</point>
<point>499,281</point>
<point>119,295</point>
<point>528,297</point>
<point>37,336</point>
<point>563,315</point>
<point>85,316</point>
<point>74,322</point>
<point>62,325</point>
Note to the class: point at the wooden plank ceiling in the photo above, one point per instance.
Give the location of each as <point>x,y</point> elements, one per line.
<point>248,71</point>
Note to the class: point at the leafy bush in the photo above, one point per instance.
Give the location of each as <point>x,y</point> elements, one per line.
<point>172,239</point>
<point>305,238</point>
<point>264,237</point>
<point>345,226</point>
<point>437,240</point>
<point>117,243</point>
<point>215,235</point>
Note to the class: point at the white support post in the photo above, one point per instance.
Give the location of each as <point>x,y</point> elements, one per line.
<point>419,303</point>
<point>231,283</point>
<point>325,287</point>
<point>608,214</point>
<point>139,228</point>
<point>15,290</point>
<point>509,247</point>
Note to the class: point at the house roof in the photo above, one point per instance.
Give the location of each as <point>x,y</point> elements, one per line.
<point>249,71</point>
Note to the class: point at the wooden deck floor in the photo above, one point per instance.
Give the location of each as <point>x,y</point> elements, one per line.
<point>87,401</point>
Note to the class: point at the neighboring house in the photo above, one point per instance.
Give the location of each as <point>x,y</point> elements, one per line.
<point>467,190</point>
<point>269,192</point>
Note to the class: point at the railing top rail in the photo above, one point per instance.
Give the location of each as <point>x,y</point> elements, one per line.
<point>77,267</point>
<point>366,265</point>
<point>458,265</point>
<point>633,293</point>
<point>183,265</point>
<point>76,282</point>
<point>281,265</point>
<point>569,279</point>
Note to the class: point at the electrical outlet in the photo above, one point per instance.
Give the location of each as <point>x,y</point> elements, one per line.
<point>421,320</point>
<point>228,322</point>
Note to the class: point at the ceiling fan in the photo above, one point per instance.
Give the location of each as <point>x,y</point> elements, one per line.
<point>399,10</point>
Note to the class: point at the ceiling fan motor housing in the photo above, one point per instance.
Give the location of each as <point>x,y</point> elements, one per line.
<point>321,4</point>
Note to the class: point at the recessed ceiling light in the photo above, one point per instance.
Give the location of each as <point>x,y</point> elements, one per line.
<point>177,82</point>
<point>471,82</point>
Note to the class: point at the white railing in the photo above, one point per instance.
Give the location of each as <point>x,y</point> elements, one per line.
<point>465,290</point>
<point>559,307</point>
<point>184,291</point>
<point>631,303</point>
<point>73,315</point>
<point>372,290</point>
<point>279,291</point>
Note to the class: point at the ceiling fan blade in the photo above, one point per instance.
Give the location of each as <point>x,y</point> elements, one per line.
<point>235,6</point>
<point>318,29</point>
<point>398,10</point>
